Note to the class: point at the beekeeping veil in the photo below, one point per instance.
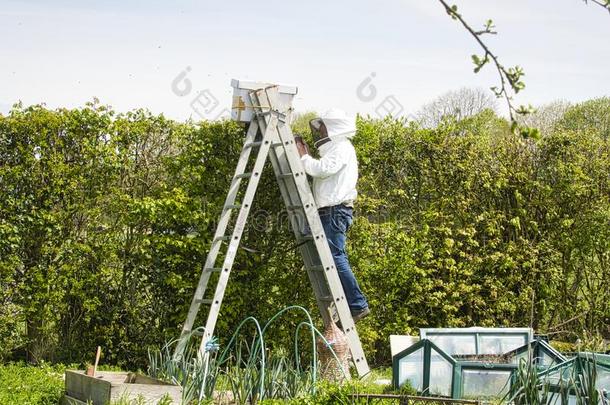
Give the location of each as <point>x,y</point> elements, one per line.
<point>333,125</point>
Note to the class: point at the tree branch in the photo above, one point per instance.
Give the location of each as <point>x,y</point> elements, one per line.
<point>603,3</point>
<point>510,79</point>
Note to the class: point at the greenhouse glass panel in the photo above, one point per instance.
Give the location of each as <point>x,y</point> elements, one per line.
<point>441,374</point>
<point>500,344</point>
<point>456,344</point>
<point>603,359</point>
<point>543,354</point>
<point>485,383</point>
<point>517,358</point>
<point>546,355</point>
<point>560,372</point>
<point>603,378</point>
<point>476,340</point>
<point>545,359</point>
<point>411,368</point>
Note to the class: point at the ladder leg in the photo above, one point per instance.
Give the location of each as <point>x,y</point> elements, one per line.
<point>329,271</point>
<point>218,235</point>
<point>236,236</point>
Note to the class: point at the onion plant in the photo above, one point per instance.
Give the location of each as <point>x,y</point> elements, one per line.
<point>249,369</point>
<point>530,387</point>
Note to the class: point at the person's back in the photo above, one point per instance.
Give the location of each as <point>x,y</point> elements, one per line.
<point>330,187</point>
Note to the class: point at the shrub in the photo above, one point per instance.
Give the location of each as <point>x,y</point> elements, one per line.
<point>27,385</point>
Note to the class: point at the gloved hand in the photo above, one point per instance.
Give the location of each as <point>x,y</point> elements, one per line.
<point>301,146</point>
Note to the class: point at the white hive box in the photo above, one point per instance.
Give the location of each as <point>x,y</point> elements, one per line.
<point>241,108</point>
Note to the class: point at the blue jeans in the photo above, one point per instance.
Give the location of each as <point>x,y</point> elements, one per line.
<point>336,220</point>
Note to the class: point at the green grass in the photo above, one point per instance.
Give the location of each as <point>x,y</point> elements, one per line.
<point>31,385</point>
<point>25,384</point>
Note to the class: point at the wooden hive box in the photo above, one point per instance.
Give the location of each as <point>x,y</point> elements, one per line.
<point>109,386</point>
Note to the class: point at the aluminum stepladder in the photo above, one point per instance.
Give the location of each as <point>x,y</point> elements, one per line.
<point>270,133</point>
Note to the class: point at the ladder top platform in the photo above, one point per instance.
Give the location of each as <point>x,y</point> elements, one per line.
<point>248,85</point>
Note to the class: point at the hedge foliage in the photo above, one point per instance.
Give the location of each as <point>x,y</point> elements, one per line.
<point>106,219</point>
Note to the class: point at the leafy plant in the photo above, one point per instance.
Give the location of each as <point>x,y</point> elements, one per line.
<point>29,385</point>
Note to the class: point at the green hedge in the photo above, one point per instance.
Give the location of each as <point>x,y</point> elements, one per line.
<point>105,221</point>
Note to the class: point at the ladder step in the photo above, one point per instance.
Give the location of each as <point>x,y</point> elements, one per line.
<point>318,267</point>
<point>221,238</point>
<point>231,207</point>
<point>293,207</point>
<point>328,298</point>
<point>304,238</point>
<point>284,176</point>
<point>243,175</point>
<point>213,269</point>
<point>204,301</point>
<point>253,144</point>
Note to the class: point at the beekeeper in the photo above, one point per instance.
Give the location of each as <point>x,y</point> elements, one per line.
<point>335,175</point>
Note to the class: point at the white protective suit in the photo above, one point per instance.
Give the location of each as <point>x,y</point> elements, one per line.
<point>335,174</point>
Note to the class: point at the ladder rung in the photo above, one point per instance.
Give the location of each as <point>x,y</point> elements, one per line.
<point>304,238</point>
<point>204,301</point>
<point>293,207</point>
<point>327,298</point>
<point>253,144</point>
<point>284,176</point>
<point>243,175</point>
<point>318,267</point>
<point>232,206</point>
<point>276,144</point>
<point>213,269</point>
<point>221,238</point>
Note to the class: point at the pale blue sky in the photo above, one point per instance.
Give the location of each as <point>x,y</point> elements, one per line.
<point>127,53</point>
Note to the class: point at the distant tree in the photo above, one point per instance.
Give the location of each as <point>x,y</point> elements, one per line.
<point>591,115</point>
<point>546,117</point>
<point>459,104</point>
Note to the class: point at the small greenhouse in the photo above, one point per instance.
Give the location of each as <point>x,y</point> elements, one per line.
<point>481,362</point>
<point>431,371</point>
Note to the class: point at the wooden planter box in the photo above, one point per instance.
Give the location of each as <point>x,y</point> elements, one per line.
<point>109,386</point>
